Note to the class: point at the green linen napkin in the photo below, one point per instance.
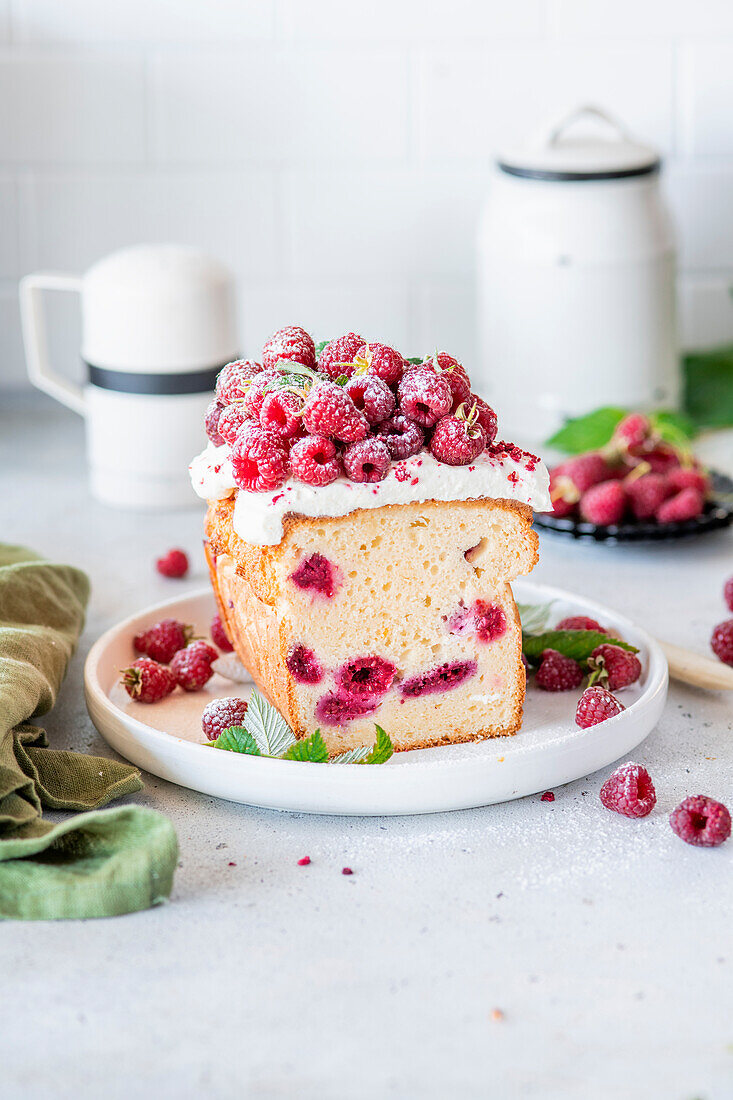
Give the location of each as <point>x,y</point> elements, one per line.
<point>97,864</point>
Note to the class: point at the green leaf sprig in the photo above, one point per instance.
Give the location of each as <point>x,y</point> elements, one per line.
<point>265,732</point>
<point>593,431</point>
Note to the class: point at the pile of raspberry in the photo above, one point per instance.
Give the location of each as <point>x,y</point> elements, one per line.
<point>637,476</point>
<point>352,409</point>
<point>172,658</point>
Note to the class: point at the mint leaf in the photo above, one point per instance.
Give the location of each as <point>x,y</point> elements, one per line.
<point>352,756</point>
<point>414,359</point>
<point>587,433</point>
<point>708,387</point>
<point>382,748</point>
<point>270,731</point>
<point>237,739</point>
<point>320,346</point>
<point>578,644</point>
<point>312,748</point>
<point>534,616</point>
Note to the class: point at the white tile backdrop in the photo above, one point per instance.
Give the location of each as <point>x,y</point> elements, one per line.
<point>335,152</point>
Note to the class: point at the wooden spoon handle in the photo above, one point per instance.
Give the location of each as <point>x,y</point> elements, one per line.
<point>693,668</point>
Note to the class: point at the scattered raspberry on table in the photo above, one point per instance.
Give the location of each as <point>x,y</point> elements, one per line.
<point>173,564</point>
<point>701,821</point>
<point>721,641</point>
<point>629,791</point>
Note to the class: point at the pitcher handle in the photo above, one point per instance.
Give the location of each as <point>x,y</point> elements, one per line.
<point>33,323</point>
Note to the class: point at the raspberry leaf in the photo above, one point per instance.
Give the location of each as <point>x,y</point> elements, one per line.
<point>270,731</point>
<point>236,739</point>
<point>382,748</point>
<point>416,360</point>
<point>352,756</point>
<point>312,748</point>
<point>673,427</point>
<point>589,432</point>
<point>534,616</point>
<point>578,644</point>
<point>321,345</point>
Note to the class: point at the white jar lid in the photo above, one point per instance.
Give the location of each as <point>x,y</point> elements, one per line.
<point>158,308</point>
<point>558,156</point>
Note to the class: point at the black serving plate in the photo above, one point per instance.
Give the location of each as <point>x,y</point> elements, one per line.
<point>718,513</point>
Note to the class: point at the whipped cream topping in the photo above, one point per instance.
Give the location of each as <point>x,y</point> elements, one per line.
<point>258,517</point>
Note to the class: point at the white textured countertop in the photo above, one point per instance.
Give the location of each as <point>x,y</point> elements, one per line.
<point>606,943</point>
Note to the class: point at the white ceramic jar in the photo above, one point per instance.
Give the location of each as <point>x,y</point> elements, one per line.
<point>576,266</point>
<point>158,323</point>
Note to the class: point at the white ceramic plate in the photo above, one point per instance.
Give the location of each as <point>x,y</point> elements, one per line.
<point>166,739</point>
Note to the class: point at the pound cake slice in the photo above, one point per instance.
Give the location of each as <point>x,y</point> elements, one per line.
<point>370,582</point>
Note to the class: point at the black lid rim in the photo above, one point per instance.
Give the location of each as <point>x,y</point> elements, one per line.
<point>549,175</point>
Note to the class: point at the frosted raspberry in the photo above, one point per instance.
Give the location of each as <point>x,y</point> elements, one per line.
<point>372,396</point>
<point>291,343</point>
<point>721,641</point>
<point>424,396</point>
<point>315,460</point>
<point>728,593</point>
<point>281,413</point>
<point>219,635</point>
<point>203,649</point>
<point>645,494</point>
<point>220,714</point>
<point>437,680</point>
<point>685,477</point>
<point>486,417</point>
<point>192,667</point>
<point>596,705</point>
<point>173,564</point>
<point>579,622</point>
<point>687,504</point>
<point>317,574</point>
<point>403,436</point>
<point>604,504</point>
<point>161,640</point>
<point>557,672</point>
<point>454,374</point>
<point>338,710</point>
<point>701,821</point>
<point>616,667</point>
<point>338,356</point>
<point>367,461</point>
<point>259,460</point>
<point>364,677</point>
<point>458,439</point>
<point>304,666</point>
<point>330,411</point>
<point>233,380</point>
<point>632,431</point>
<point>382,361</point>
<point>255,394</point>
<point>211,423</point>
<point>629,791</point>
<point>146,681</point>
<point>232,420</point>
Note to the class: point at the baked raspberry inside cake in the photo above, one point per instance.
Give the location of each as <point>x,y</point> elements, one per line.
<point>362,534</point>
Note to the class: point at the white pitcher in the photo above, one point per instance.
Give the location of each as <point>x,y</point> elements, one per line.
<point>158,323</point>
<point>576,292</point>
